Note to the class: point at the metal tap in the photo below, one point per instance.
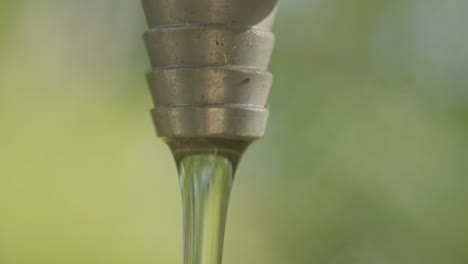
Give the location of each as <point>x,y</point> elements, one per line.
<point>209,78</point>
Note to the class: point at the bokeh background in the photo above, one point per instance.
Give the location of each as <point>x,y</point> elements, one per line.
<point>365,159</point>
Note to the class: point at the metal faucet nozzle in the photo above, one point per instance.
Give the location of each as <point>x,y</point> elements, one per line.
<point>209,78</point>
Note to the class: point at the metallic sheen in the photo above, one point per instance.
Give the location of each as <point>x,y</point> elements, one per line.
<point>209,62</point>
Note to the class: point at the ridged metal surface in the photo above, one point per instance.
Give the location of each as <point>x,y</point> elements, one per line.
<point>209,45</point>
<point>182,86</point>
<point>209,63</point>
<point>258,13</point>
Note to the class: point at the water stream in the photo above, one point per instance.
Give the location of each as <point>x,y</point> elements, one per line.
<point>205,182</point>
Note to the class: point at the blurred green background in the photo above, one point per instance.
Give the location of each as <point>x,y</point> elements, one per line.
<point>365,158</point>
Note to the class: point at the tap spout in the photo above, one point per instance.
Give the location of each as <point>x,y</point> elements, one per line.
<point>209,79</point>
